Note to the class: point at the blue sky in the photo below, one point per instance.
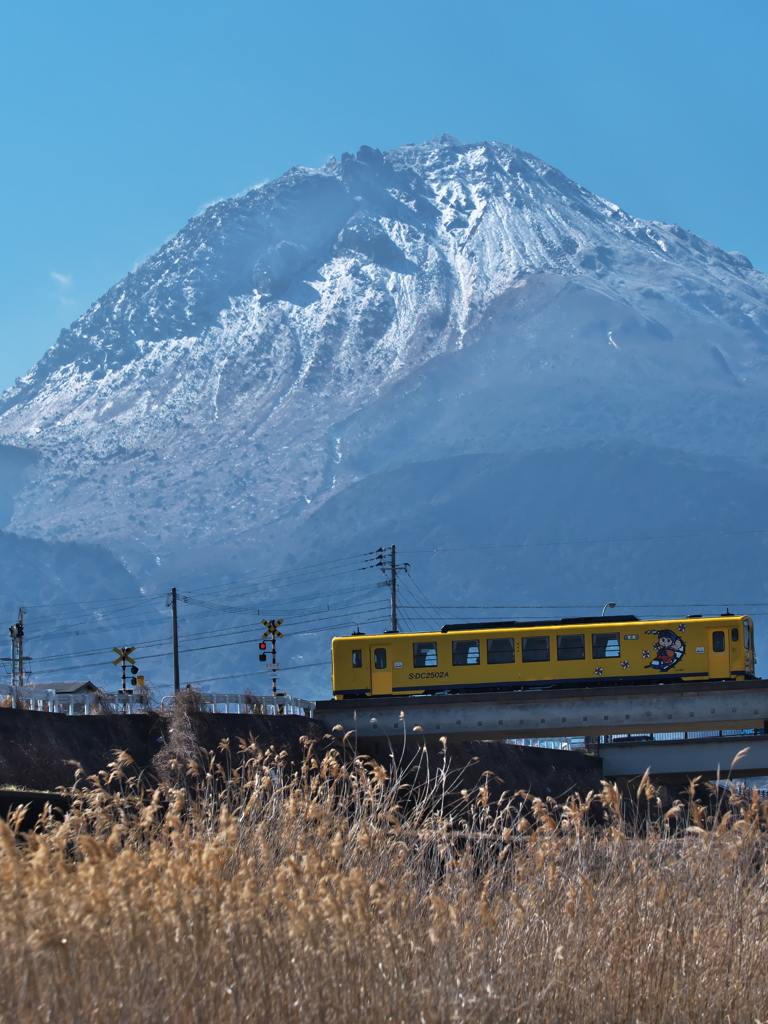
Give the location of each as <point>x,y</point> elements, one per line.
<point>121,121</point>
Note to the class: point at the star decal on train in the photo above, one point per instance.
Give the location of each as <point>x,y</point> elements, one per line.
<point>598,671</point>
<point>646,654</point>
<point>625,664</point>
<point>681,627</point>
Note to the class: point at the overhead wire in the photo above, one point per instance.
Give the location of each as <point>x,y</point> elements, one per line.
<point>192,650</point>
<point>406,582</point>
<point>285,575</point>
<point>561,543</point>
<point>266,672</point>
<point>284,602</point>
<point>299,617</point>
<point>219,633</point>
<point>95,623</point>
<point>116,606</point>
<point>327,619</point>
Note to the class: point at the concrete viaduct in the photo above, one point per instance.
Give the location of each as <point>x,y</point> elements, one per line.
<point>687,707</point>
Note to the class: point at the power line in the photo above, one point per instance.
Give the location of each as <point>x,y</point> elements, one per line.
<point>272,581</point>
<point>324,627</point>
<point>313,615</point>
<point>610,540</point>
<point>244,675</point>
<point>284,602</point>
<point>288,574</point>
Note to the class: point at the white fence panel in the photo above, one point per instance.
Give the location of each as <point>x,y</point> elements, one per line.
<point>131,703</point>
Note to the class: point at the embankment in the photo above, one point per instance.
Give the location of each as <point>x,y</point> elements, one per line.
<point>40,751</point>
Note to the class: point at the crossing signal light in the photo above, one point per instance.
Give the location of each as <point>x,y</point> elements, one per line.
<point>262,649</point>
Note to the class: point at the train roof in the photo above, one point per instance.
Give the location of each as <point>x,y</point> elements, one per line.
<point>585,620</point>
<point>527,623</point>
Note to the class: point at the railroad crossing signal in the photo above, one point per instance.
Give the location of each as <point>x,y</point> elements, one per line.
<point>123,657</point>
<point>124,654</point>
<point>272,634</point>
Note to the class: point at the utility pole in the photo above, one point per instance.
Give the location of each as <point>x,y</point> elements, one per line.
<point>175,618</point>
<point>17,654</point>
<point>20,641</point>
<point>390,568</point>
<point>14,655</point>
<point>393,589</point>
<point>272,633</point>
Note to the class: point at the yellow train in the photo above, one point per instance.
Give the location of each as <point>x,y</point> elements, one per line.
<point>496,656</point>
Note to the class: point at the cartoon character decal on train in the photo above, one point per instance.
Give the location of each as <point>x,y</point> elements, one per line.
<point>669,647</point>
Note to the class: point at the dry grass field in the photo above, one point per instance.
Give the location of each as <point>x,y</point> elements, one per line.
<point>344,894</point>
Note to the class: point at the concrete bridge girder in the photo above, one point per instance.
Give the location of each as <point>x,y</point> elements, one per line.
<point>676,707</point>
<point>681,759</point>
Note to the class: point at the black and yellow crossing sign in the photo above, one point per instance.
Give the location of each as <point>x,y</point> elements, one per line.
<point>272,630</point>
<point>124,654</point>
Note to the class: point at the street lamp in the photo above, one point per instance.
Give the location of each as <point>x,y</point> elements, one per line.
<point>611,604</point>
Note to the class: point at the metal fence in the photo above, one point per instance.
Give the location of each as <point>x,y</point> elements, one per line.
<point>578,742</point>
<point>658,736</point>
<point>251,704</point>
<point>27,699</point>
<point>552,743</point>
<point>24,697</point>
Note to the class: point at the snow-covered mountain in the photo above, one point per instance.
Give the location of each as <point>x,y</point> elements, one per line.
<point>441,312</point>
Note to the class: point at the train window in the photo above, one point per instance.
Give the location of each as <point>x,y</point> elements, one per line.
<point>466,652</point>
<point>735,635</point>
<point>425,654</point>
<point>501,650</point>
<point>718,641</point>
<point>357,659</point>
<point>605,645</point>
<point>747,635</point>
<point>380,658</point>
<point>570,647</point>
<point>535,648</point>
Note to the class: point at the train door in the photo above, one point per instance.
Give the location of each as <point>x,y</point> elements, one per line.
<point>719,657</point>
<point>749,649</point>
<point>381,669</point>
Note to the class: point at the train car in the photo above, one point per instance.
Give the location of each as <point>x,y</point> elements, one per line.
<point>496,656</point>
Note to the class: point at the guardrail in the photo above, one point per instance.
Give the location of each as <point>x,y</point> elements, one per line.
<point>133,703</point>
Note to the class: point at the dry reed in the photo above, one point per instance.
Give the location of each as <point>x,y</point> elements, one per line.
<point>346,892</point>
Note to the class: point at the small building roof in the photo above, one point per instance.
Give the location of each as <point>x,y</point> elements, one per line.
<point>82,687</point>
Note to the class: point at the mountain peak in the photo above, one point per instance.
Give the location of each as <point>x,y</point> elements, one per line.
<point>275,319</point>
